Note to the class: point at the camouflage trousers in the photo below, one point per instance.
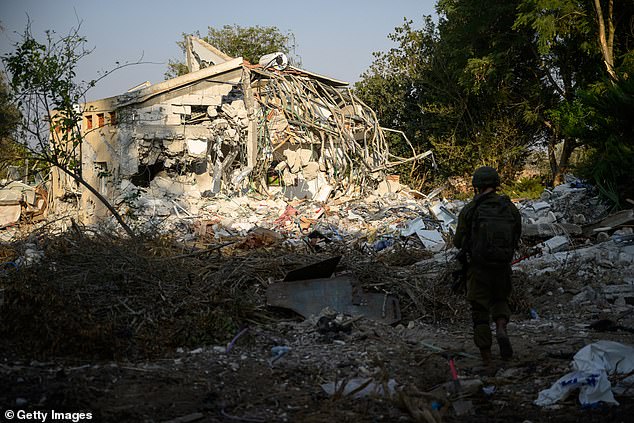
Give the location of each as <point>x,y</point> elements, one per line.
<point>488,291</point>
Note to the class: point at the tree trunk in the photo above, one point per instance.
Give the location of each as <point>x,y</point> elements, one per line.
<point>606,36</point>
<point>552,158</point>
<point>564,161</point>
<point>101,198</point>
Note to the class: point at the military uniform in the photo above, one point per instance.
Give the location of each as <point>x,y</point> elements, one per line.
<point>488,286</point>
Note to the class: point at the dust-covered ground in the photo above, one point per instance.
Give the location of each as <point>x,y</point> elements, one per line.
<point>245,384</point>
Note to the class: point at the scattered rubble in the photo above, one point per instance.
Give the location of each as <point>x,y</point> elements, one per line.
<point>164,306</point>
<point>19,200</point>
<point>228,128</point>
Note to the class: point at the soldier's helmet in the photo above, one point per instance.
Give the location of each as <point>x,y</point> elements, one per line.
<point>485,177</point>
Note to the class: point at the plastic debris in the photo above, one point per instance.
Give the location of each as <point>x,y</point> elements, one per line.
<point>591,366</point>
<point>278,352</point>
<point>360,388</point>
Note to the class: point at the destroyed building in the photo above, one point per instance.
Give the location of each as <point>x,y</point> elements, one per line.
<point>230,127</point>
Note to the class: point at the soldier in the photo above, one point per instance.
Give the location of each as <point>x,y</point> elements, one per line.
<point>489,229</point>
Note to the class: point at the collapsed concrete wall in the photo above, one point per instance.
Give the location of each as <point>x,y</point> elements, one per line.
<point>229,128</point>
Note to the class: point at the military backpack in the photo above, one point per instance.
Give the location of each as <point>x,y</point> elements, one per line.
<point>493,237</point>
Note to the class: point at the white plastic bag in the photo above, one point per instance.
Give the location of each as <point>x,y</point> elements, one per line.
<point>591,365</point>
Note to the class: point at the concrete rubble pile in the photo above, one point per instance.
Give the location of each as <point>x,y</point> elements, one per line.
<point>228,128</point>
<point>19,200</point>
<point>577,236</point>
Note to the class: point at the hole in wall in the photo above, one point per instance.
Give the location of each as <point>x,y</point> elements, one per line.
<point>146,173</point>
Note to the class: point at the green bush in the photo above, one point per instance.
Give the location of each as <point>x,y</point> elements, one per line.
<point>529,188</point>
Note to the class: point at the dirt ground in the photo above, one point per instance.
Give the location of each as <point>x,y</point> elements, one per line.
<point>250,384</point>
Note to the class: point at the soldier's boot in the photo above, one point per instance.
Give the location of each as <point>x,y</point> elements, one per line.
<point>488,366</point>
<point>487,357</point>
<point>506,351</point>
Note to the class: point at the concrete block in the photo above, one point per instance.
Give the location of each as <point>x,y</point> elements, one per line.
<point>197,147</point>
<point>229,110</point>
<point>155,207</point>
<point>388,187</point>
<point>181,110</point>
<point>10,198</point>
<point>173,119</point>
<point>212,111</point>
<point>612,292</point>
<point>547,219</point>
<point>167,186</point>
<point>231,133</point>
<point>555,244</point>
<point>321,196</point>
<point>549,230</point>
<point>311,170</point>
<point>175,146</point>
<point>613,221</point>
<point>10,215</point>
<point>26,192</point>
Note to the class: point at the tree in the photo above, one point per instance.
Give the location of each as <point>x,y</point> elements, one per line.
<point>43,88</point>
<point>608,132</point>
<point>568,62</point>
<point>10,150</point>
<point>606,35</point>
<point>493,78</point>
<point>250,43</point>
<point>456,86</point>
<point>578,44</point>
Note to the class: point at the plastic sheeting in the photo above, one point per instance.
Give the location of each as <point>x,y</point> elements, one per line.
<point>591,366</point>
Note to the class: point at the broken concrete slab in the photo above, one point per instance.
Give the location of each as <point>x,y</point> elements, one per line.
<point>554,244</point>
<point>10,197</point>
<point>360,388</point>
<point>550,230</point>
<point>167,186</point>
<point>197,147</point>
<point>613,292</point>
<point>27,192</point>
<point>10,215</point>
<point>322,195</point>
<point>388,187</point>
<point>611,222</point>
<point>310,297</point>
<point>311,170</point>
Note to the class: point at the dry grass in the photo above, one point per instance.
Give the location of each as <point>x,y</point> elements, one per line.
<point>95,295</point>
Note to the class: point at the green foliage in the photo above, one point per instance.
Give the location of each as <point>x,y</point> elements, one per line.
<point>527,188</point>
<point>556,22</point>
<point>175,68</point>
<point>250,43</point>
<point>570,117</point>
<point>493,78</point>
<point>11,152</point>
<point>609,134</point>
<point>456,86</point>
<point>43,88</point>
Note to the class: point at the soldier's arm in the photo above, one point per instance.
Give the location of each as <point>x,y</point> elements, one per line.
<point>518,224</point>
<point>461,229</point>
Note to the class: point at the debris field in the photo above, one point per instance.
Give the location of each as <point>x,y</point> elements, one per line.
<point>261,309</point>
